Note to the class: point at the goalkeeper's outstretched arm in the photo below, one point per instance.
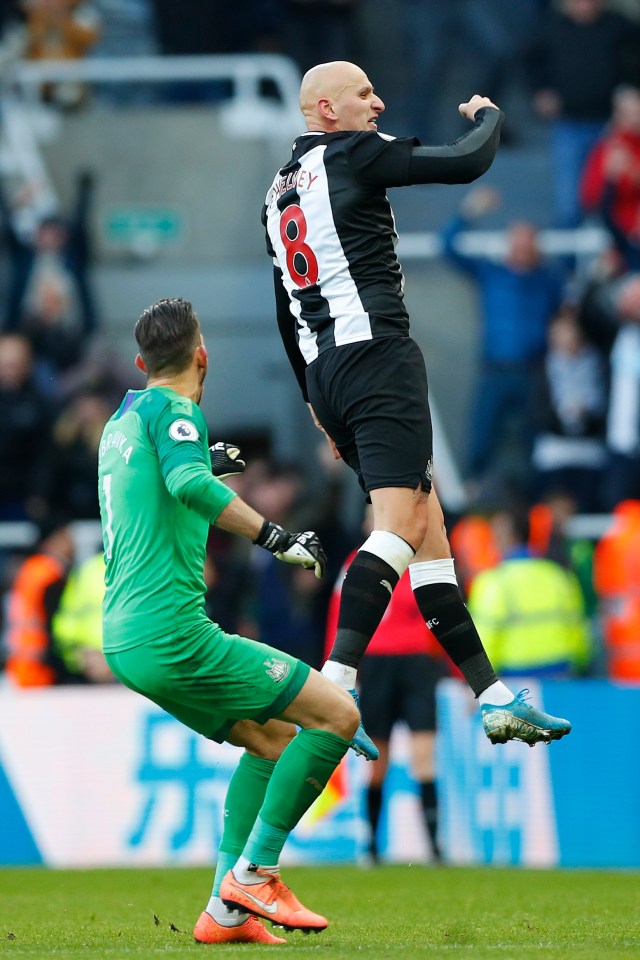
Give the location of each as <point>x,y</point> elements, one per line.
<point>303,548</point>
<point>207,495</point>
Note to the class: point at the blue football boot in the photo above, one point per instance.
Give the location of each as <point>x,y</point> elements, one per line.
<point>362,744</point>
<point>520,721</point>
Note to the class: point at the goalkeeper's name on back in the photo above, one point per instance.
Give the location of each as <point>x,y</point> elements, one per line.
<point>116,441</point>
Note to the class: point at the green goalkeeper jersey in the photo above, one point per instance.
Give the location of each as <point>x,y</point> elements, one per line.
<point>157,500</point>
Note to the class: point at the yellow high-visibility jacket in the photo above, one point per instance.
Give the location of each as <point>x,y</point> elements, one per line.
<point>77,622</point>
<point>530,616</point>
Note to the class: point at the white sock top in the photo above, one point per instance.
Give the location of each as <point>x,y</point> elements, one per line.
<point>341,674</point>
<point>243,875</point>
<point>223,915</point>
<point>432,571</point>
<point>391,548</point>
<point>497,695</point>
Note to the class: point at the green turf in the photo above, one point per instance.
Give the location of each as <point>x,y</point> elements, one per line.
<point>390,912</point>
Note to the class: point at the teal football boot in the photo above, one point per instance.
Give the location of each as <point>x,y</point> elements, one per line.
<point>520,721</point>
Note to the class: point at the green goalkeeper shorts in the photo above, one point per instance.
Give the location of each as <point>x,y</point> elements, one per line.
<point>209,679</point>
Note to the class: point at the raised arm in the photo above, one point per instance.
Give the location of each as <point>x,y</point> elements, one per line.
<point>467,158</point>
<point>381,161</point>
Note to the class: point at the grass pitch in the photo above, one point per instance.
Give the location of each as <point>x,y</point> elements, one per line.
<point>389,912</point>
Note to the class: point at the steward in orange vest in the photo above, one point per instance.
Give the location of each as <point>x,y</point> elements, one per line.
<point>32,602</point>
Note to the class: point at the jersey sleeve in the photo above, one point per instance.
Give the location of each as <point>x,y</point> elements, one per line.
<point>179,433</point>
<point>287,328</point>
<point>465,159</point>
<point>201,492</point>
<point>180,436</point>
<point>380,161</point>
<point>377,160</point>
<point>263,220</point>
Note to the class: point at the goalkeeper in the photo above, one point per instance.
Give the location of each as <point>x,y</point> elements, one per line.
<point>158,497</point>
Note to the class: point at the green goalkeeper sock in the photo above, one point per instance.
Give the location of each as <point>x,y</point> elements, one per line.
<point>245,796</point>
<point>300,776</point>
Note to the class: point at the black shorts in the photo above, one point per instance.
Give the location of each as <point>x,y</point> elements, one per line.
<point>372,399</point>
<point>399,687</point>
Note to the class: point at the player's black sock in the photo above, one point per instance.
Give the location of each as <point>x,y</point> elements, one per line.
<point>366,592</point>
<point>374,806</point>
<point>447,617</point>
<point>429,801</point>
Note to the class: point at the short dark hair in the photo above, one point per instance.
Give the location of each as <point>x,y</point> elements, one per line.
<point>167,333</point>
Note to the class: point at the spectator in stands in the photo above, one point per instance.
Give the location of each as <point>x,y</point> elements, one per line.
<point>397,681</point>
<point>490,35</point>
<point>318,31</point>
<point>50,298</point>
<point>529,610</point>
<point>213,27</point>
<point>77,625</point>
<point>570,407</point>
<point>61,30</point>
<point>582,53</point>
<point>518,296</point>
<point>474,546</point>
<point>596,302</point>
<point>617,580</point>
<point>622,475</point>
<point>13,33</point>
<point>227,577</point>
<point>128,30</point>
<point>550,537</point>
<point>25,426</point>
<point>100,373</point>
<point>611,180</point>
<point>32,602</point>
<point>324,507</point>
<point>76,433</point>
<point>293,609</point>
<point>287,610</point>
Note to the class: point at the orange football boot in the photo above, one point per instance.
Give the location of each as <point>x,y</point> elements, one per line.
<point>272,900</point>
<point>208,930</point>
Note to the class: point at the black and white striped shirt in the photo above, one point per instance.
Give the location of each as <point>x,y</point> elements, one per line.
<point>331,232</point>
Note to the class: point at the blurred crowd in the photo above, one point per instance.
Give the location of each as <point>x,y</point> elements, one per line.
<point>549,45</point>
<point>554,422</point>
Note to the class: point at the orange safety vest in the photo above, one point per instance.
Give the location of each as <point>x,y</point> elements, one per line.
<point>28,637</point>
<point>540,528</point>
<point>474,548</point>
<point>616,573</point>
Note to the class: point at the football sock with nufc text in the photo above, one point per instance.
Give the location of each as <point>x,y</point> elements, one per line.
<point>244,798</point>
<point>435,588</point>
<point>366,591</point>
<point>300,776</point>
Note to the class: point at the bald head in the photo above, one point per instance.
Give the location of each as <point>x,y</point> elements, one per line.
<point>326,80</point>
<point>339,96</point>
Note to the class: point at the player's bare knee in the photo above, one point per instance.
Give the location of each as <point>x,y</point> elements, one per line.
<point>435,546</point>
<point>412,528</point>
<point>420,529</point>
<point>266,741</point>
<point>343,716</point>
<point>270,748</point>
<point>416,520</point>
<point>278,737</point>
